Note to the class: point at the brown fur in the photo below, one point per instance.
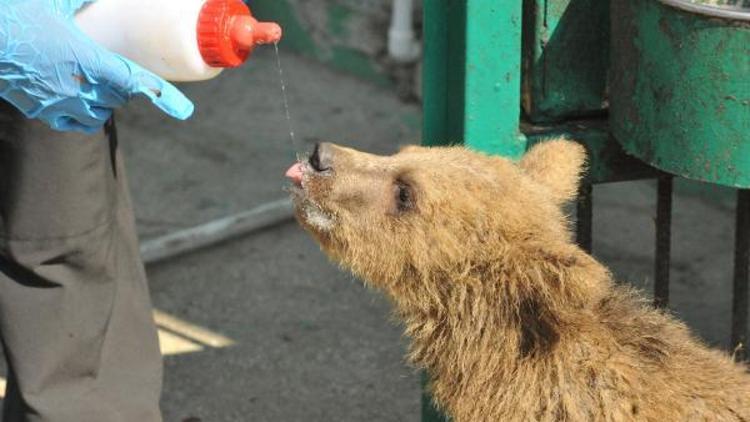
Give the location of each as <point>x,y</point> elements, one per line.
<point>512,321</point>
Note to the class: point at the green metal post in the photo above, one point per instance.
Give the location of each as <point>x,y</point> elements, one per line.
<point>442,107</point>
<point>492,95</point>
<point>472,75</point>
<point>472,83</point>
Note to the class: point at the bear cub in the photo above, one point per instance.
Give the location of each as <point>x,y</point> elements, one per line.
<point>510,318</point>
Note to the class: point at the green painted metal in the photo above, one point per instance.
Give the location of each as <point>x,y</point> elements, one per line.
<point>681,92</point>
<point>472,75</point>
<point>565,58</point>
<point>493,77</point>
<point>441,107</point>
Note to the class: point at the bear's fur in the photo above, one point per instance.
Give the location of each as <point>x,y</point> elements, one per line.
<point>511,319</point>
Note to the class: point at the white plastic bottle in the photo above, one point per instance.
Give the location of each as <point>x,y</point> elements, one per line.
<point>180,40</point>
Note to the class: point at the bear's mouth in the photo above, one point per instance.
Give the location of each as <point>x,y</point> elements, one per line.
<point>309,211</point>
<point>296,175</point>
<point>319,162</point>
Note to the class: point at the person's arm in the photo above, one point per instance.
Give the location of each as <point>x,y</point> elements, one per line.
<point>51,71</point>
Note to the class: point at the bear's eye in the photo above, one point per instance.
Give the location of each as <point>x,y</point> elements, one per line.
<point>404,197</point>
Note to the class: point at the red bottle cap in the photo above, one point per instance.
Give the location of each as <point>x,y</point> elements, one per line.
<point>228,32</point>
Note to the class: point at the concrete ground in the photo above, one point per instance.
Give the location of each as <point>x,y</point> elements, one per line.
<point>310,343</point>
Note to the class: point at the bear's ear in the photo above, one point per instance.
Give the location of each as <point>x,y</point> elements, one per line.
<point>557,165</point>
<point>410,148</point>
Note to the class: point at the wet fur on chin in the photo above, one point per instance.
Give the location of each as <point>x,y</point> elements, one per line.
<point>512,321</point>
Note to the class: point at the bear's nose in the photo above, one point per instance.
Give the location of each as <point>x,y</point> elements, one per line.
<point>321,158</point>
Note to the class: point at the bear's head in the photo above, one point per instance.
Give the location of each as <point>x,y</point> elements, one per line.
<point>427,211</point>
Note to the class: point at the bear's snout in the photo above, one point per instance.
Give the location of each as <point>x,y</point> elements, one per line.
<point>322,157</point>
<point>321,160</point>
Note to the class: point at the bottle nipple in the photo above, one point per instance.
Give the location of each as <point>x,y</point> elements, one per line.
<point>247,32</point>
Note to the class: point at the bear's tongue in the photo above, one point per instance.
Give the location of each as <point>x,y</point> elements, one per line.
<point>295,173</point>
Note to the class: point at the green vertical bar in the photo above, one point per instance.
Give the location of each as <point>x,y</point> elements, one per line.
<point>472,74</point>
<point>443,78</point>
<point>435,68</point>
<point>493,77</point>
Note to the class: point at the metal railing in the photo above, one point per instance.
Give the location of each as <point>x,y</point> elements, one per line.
<point>662,259</point>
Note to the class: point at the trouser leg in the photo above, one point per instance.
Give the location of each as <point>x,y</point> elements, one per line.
<point>75,312</point>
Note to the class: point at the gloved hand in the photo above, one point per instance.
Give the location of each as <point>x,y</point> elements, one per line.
<point>52,71</point>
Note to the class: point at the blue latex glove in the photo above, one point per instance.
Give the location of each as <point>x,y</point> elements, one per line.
<point>50,70</point>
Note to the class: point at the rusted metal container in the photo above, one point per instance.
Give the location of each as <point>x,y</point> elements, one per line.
<point>680,87</point>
